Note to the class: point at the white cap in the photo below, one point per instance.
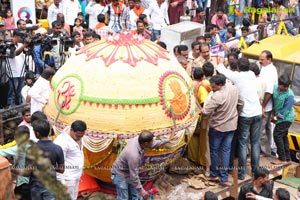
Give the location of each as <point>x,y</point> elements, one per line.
<point>41,31</point>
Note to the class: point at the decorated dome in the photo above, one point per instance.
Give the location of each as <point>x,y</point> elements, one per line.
<point>119,87</point>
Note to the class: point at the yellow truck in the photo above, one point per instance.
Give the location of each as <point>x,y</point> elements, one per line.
<point>286,58</point>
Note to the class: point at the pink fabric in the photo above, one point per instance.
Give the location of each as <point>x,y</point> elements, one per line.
<point>281,15</point>
<point>9,23</point>
<point>24,123</point>
<point>198,20</point>
<point>220,22</point>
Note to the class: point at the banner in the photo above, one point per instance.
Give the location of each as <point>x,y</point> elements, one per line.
<point>23,9</point>
<point>217,51</point>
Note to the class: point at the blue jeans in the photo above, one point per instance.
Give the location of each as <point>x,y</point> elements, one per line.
<point>290,29</point>
<point>14,91</point>
<point>39,193</point>
<point>248,128</point>
<point>266,134</point>
<point>154,34</point>
<point>242,4</point>
<point>124,190</point>
<point>202,4</point>
<point>233,151</point>
<point>220,142</point>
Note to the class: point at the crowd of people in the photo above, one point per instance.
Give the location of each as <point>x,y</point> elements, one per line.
<point>65,154</point>
<point>239,100</point>
<point>73,24</point>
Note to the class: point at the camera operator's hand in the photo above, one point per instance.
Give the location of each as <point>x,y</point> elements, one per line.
<point>27,42</point>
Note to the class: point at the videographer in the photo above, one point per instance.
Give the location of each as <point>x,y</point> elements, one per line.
<point>62,41</point>
<point>4,34</point>
<point>56,49</point>
<point>41,59</point>
<point>16,68</point>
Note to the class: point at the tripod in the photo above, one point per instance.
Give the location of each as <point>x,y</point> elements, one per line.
<point>4,84</point>
<point>63,52</point>
<point>29,60</point>
<point>15,82</point>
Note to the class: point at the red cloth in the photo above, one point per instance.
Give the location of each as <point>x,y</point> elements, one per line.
<point>144,34</point>
<point>176,12</point>
<point>87,184</point>
<point>198,20</point>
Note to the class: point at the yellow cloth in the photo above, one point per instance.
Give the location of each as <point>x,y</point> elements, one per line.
<point>8,145</point>
<point>197,148</point>
<point>203,91</point>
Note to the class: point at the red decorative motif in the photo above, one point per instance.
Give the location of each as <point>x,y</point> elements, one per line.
<point>65,94</point>
<point>126,47</point>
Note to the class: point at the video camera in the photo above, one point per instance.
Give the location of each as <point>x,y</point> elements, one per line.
<point>66,41</point>
<point>47,43</point>
<point>7,48</point>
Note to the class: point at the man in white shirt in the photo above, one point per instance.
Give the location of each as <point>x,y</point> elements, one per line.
<point>70,10</point>
<point>94,8</point>
<point>158,12</point>
<point>134,14</point>
<point>269,74</point>
<point>53,10</point>
<point>70,140</point>
<point>116,12</point>
<point>249,122</point>
<point>16,69</point>
<point>39,92</point>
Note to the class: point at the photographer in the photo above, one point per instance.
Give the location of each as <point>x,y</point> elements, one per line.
<point>5,36</point>
<point>56,49</point>
<point>16,68</point>
<point>40,58</point>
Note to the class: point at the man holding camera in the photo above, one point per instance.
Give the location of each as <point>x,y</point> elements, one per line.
<point>16,68</point>
<point>56,49</point>
<point>41,59</point>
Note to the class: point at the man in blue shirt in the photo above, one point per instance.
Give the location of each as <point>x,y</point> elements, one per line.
<point>41,58</point>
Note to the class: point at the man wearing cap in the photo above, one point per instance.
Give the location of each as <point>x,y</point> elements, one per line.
<point>40,60</point>
<point>4,34</point>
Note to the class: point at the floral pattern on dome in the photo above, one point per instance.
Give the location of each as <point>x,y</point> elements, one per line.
<point>127,47</point>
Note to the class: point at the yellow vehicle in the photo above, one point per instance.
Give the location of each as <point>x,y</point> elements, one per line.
<point>286,58</point>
